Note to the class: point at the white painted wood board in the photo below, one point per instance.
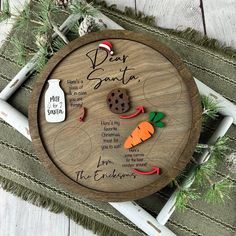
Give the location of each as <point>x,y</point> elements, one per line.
<point>77,230</point>
<point>18,217</point>
<point>220,18</point>
<point>177,14</point>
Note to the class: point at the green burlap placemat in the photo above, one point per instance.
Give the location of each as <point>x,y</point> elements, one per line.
<point>22,173</point>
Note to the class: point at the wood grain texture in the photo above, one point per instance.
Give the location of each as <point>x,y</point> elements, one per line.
<point>77,230</point>
<point>81,163</point>
<point>221,21</point>
<point>18,217</point>
<point>178,14</point>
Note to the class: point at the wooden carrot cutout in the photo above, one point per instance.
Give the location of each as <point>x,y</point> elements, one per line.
<point>140,109</point>
<point>153,171</point>
<point>144,130</point>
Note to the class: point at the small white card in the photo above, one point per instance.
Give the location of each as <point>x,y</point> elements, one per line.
<point>55,108</point>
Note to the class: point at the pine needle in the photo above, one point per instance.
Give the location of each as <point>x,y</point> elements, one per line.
<point>58,44</point>
<point>78,7</point>
<point>206,169</point>
<point>41,16</point>
<point>217,150</point>
<point>210,108</point>
<point>19,51</point>
<point>5,13</point>
<point>43,58</point>
<point>183,197</point>
<point>23,20</point>
<point>220,148</point>
<point>219,191</point>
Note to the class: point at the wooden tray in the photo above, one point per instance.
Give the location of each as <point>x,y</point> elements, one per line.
<point>89,157</point>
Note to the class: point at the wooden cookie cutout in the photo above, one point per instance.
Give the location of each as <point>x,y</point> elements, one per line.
<point>118,101</point>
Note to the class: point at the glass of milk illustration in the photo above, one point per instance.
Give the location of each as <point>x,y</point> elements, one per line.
<point>55,108</point>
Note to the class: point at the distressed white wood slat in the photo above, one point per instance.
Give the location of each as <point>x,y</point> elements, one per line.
<point>175,14</point>
<point>220,18</point>
<point>77,230</point>
<point>121,4</point>
<point>18,217</point>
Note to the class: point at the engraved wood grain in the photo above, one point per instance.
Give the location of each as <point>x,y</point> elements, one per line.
<point>161,82</point>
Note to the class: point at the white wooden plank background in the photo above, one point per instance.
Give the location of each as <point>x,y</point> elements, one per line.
<point>220,17</point>
<point>20,218</point>
<point>23,219</point>
<point>177,14</point>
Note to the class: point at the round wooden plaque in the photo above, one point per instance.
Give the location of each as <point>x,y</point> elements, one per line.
<point>88,157</point>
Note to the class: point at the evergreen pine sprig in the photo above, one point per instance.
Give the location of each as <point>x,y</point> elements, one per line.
<point>183,197</point>
<point>42,59</point>
<point>46,24</point>
<point>22,53</point>
<point>210,108</point>
<point>214,191</point>
<point>58,44</point>
<point>43,26</point>
<point>220,148</point>
<point>5,13</point>
<point>206,169</point>
<point>217,150</point>
<point>78,7</point>
<point>218,191</point>
<point>23,20</point>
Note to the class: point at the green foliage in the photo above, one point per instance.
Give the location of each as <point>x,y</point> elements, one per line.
<point>219,191</point>
<point>42,24</point>
<point>5,13</point>
<point>215,192</point>
<point>58,44</point>
<point>210,108</point>
<point>41,16</point>
<point>43,58</point>
<point>206,169</point>
<point>21,54</point>
<point>23,20</point>
<point>218,150</point>
<point>183,197</point>
<point>78,7</point>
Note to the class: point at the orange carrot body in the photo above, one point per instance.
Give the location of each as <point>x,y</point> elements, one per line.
<point>142,132</point>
